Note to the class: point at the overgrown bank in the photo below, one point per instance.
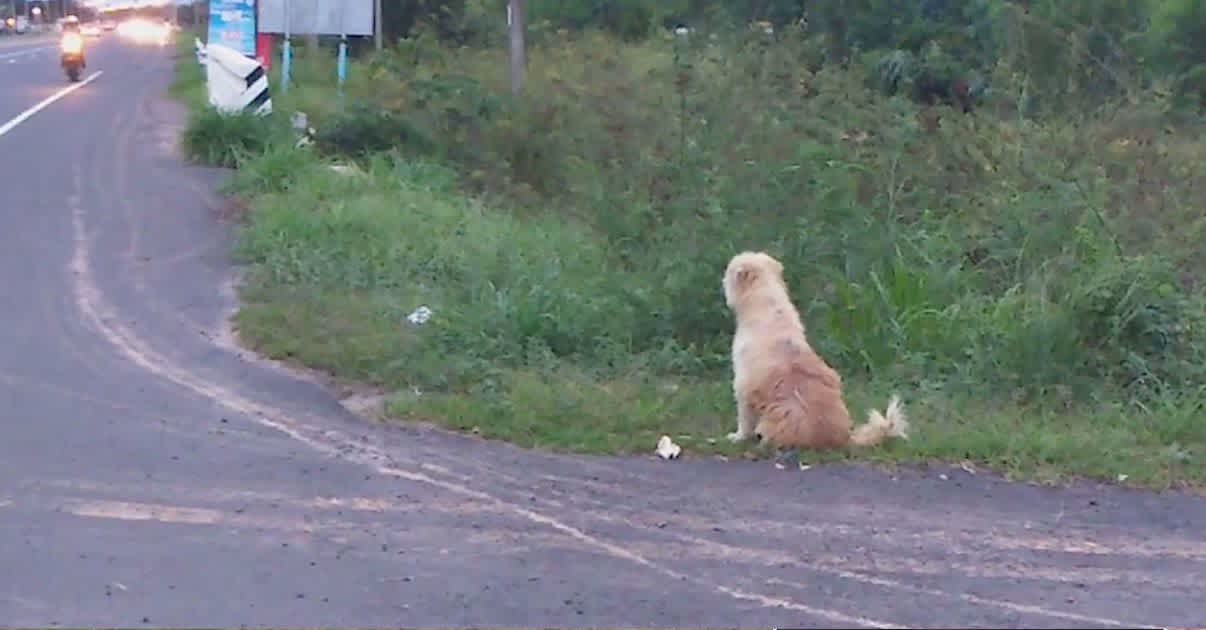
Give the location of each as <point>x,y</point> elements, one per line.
<point>1029,286</point>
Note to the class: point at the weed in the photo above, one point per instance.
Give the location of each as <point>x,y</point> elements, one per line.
<point>1028,285</point>
<point>222,139</point>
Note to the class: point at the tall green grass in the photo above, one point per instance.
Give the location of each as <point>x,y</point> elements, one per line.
<point>1029,285</point>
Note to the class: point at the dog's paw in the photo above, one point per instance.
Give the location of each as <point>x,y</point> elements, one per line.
<point>736,436</point>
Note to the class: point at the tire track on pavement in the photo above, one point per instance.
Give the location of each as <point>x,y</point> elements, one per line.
<point>593,503</point>
<point>106,322</point>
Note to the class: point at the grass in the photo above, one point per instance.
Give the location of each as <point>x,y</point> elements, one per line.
<point>189,84</point>
<point>1028,286</point>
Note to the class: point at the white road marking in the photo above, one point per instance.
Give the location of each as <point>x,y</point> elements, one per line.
<point>22,53</point>
<point>46,102</point>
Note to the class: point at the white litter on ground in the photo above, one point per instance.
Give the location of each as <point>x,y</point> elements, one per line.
<point>667,449</point>
<point>420,316</point>
<point>301,124</point>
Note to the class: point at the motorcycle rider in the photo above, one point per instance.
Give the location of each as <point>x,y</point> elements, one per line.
<point>71,25</point>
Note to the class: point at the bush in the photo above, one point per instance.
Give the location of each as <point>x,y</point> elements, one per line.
<point>911,252</point>
<point>1046,267</point>
<point>365,129</point>
<point>217,139</point>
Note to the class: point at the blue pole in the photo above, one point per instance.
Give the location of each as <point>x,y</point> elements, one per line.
<point>341,67</point>
<point>286,61</point>
<point>286,50</point>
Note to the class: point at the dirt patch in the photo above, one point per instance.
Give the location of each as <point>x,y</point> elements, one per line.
<point>233,208</point>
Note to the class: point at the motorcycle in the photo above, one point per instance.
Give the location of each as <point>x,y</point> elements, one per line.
<point>71,54</point>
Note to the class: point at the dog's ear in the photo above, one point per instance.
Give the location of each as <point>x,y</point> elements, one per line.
<point>746,275</point>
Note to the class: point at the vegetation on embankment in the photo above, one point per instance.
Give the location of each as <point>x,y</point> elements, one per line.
<point>1030,282</point>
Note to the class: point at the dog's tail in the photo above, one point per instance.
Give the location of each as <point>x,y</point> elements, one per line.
<point>879,427</point>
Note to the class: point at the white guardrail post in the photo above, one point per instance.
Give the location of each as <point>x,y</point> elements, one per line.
<point>235,83</point>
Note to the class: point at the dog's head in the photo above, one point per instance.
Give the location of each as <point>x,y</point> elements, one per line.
<point>748,271</point>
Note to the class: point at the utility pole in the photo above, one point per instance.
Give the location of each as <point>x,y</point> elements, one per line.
<point>519,62</point>
<point>378,40</point>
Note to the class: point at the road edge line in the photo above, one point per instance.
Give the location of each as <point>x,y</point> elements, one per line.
<point>46,102</point>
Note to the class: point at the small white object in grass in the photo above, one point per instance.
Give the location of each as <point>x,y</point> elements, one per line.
<point>682,30</point>
<point>667,449</point>
<point>344,169</point>
<point>419,316</point>
<point>1123,477</point>
<point>300,121</point>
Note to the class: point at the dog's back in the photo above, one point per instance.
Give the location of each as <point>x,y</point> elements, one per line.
<point>799,399</point>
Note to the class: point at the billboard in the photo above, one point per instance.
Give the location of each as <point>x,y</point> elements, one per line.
<point>232,24</point>
<point>317,17</point>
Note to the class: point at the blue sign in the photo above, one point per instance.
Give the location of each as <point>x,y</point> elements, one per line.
<point>232,24</point>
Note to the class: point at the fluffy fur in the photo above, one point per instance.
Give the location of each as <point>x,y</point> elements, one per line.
<point>786,394</point>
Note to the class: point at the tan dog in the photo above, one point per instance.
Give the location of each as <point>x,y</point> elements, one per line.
<point>786,394</point>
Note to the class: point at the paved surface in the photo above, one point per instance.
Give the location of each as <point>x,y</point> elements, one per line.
<point>19,41</point>
<point>152,475</point>
<point>17,50</point>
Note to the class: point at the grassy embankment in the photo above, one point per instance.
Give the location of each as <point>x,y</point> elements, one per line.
<point>1030,287</point>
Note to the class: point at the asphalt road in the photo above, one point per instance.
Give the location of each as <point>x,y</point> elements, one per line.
<point>152,474</point>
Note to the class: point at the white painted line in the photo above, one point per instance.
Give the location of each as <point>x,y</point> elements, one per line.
<point>25,115</point>
<point>27,51</point>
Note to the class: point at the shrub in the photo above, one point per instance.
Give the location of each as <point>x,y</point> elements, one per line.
<point>365,128</point>
<point>914,253</point>
<point>218,139</point>
<point>1016,273</point>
